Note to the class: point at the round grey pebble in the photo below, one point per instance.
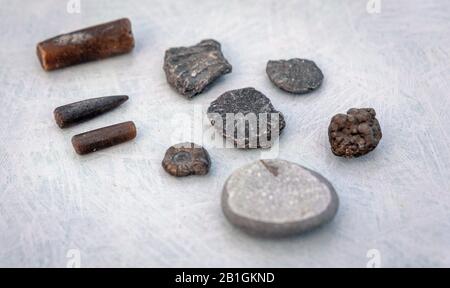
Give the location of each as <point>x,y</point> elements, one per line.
<point>298,76</point>
<point>277,198</point>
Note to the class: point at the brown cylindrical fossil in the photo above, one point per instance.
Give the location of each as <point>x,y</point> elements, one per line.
<point>105,137</point>
<point>89,44</point>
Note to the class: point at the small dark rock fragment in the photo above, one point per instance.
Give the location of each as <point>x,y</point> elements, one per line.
<point>89,44</point>
<point>190,69</point>
<point>105,137</point>
<point>186,159</point>
<point>247,117</point>
<point>354,134</point>
<point>296,76</point>
<point>82,110</point>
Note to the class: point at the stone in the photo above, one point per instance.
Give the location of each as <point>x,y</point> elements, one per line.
<point>86,109</point>
<point>247,117</point>
<point>89,44</point>
<point>186,159</point>
<point>298,76</point>
<point>191,69</point>
<point>105,137</point>
<point>277,198</point>
<point>354,134</point>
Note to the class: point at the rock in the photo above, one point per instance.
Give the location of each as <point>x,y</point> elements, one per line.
<point>105,137</point>
<point>82,110</point>
<point>354,134</point>
<point>247,117</point>
<point>296,76</point>
<point>191,69</point>
<point>278,198</point>
<point>186,159</point>
<point>89,44</point>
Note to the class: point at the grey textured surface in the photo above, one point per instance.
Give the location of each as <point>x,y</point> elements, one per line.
<point>247,117</point>
<point>192,69</point>
<point>298,76</point>
<point>120,208</point>
<point>273,197</point>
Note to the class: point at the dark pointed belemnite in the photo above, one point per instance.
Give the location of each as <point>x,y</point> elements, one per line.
<point>86,109</point>
<point>105,137</point>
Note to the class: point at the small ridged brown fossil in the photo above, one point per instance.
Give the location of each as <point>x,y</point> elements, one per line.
<point>354,134</point>
<point>186,159</point>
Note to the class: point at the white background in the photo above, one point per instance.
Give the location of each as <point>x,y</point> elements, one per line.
<point>119,208</point>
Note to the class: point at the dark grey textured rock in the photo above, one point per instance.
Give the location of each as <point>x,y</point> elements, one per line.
<point>186,159</point>
<point>278,198</point>
<point>296,76</point>
<point>247,117</point>
<point>354,134</point>
<point>191,69</point>
<point>82,110</point>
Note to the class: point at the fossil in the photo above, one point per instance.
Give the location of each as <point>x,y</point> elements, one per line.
<point>191,69</point>
<point>89,44</point>
<point>247,117</point>
<point>296,76</point>
<point>186,159</point>
<point>86,109</point>
<point>94,140</point>
<point>278,198</point>
<point>354,134</point>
